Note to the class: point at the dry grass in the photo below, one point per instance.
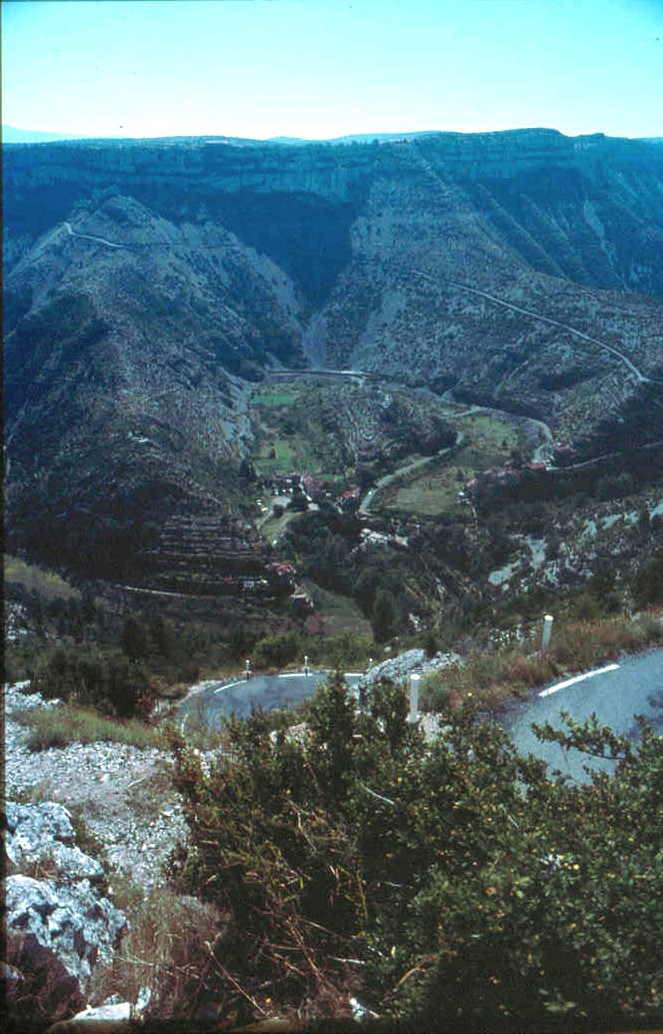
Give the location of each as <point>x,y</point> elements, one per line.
<point>61,726</point>
<point>487,678</point>
<point>166,955</point>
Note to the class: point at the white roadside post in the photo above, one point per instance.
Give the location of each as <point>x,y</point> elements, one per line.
<point>547,631</point>
<point>414,698</point>
<point>247,673</point>
<point>306,665</point>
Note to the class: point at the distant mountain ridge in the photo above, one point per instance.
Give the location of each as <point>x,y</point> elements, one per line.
<point>12,135</point>
<point>149,282</point>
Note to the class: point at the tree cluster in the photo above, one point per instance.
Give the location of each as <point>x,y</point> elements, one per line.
<point>104,679</point>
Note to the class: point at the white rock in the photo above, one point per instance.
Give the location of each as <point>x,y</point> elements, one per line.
<point>143,1000</point>
<point>113,1011</point>
<point>79,927</point>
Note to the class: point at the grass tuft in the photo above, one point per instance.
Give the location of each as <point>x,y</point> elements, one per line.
<point>168,953</point>
<point>55,727</point>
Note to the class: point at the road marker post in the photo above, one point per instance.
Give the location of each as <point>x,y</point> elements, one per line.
<point>547,631</point>
<point>414,698</point>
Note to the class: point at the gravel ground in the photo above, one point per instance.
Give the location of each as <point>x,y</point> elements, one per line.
<point>124,795</point>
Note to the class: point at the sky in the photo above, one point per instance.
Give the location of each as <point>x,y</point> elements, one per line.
<point>320,69</point>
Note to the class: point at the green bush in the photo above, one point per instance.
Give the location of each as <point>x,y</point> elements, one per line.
<point>107,680</point>
<point>465,886</point>
<point>277,651</point>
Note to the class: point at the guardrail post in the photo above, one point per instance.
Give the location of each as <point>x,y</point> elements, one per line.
<point>547,631</point>
<point>414,698</point>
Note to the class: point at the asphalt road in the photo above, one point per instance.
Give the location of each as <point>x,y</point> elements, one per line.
<point>211,702</point>
<point>616,693</point>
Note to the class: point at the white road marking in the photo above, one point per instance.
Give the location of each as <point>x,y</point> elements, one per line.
<point>240,682</point>
<point>577,678</point>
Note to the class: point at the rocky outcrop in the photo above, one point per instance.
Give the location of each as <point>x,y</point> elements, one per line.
<point>405,664</point>
<point>189,178</point>
<point>59,925</point>
<point>123,795</point>
<point>71,920</point>
<point>41,836</point>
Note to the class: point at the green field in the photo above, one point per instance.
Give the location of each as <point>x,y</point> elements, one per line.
<point>488,442</point>
<point>289,437</point>
<point>32,578</point>
<point>341,614</point>
<point>274,528</point>
<point>271,399</point>
<point>277,456</point>
<point>305,427</point>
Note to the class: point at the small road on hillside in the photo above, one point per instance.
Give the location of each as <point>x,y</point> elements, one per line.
<point>638,376</point>
<point>360,376</point>
<point>542,452</point>
<point>88,237</point>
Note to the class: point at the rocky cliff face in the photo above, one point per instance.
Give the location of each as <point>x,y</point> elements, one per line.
<point>569,204</point>
<point>149,283</point>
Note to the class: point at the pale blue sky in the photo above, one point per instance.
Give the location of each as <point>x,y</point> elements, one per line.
<point>326,68</point>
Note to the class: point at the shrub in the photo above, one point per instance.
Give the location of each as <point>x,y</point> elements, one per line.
<point>450,880</point>
<point>277,651</point>
<point>107,680</point>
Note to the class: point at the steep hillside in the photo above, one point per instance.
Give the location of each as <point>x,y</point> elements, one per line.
<point>148,284</point>
<point>128,346</point>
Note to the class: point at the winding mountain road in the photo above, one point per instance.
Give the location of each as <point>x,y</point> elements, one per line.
<point>615,693</point>
<point>638,376</point>
<point>88,237</point>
